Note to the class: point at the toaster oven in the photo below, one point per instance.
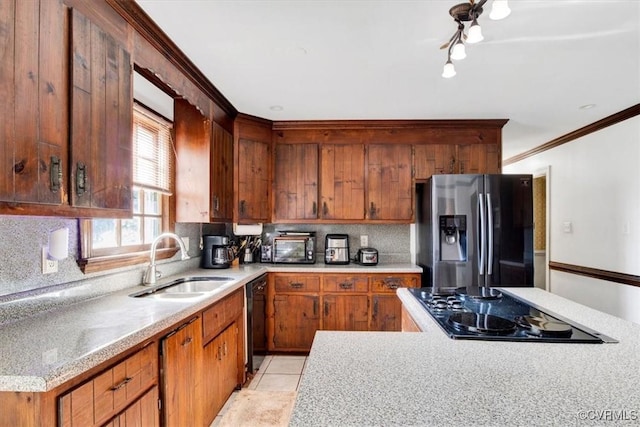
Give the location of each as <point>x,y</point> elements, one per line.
<point>294,249</point>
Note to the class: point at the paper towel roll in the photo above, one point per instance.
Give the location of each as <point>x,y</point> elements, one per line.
<point>247,229</point>
<point>59,244</point>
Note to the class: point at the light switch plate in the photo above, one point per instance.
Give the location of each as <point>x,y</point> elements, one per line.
<point>364,241</point>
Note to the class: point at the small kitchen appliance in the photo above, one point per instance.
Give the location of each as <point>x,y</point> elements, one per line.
<point>216,252</point>
<point>336,249</point>
<point>294,247</point>
<point>367,256</point>
<point>483,313</point>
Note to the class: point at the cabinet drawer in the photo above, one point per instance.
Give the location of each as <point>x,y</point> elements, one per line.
<point>99,399</point>
<point>345,283</point>
<point>220,314</point>
<point>297,283</point>
<point>391,283</point>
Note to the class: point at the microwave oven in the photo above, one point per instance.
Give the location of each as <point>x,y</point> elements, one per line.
<point>293,249</point>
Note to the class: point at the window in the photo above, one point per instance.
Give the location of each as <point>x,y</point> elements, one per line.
<point>128,239</point>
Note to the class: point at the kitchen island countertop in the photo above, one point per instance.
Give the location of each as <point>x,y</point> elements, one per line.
<point>426,378</point>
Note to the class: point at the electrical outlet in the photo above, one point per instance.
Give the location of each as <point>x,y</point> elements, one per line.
<point>185,240</point>
<point>364,241</point>
<point>48,265</point>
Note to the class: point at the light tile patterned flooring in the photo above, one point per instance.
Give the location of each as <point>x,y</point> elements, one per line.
<point>276,373</point>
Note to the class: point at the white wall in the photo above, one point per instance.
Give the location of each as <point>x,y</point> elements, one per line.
<point>595,185</point>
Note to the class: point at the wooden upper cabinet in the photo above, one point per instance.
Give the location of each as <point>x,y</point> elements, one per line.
<point>434,159</point>
<point>479,158</point>
<point>101,119</point>
<point>34,108</point>
<point>342,188</point>
<point>252,146</point>
<point>389,182</point>
<point>296,182</point>
<point>193,157</point>
<point>221,175</point>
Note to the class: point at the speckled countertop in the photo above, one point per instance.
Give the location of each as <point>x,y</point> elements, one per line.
<point>41,350</point>
<point>395,378</point>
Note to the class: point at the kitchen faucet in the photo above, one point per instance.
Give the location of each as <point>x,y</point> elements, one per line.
<point>151,274</point>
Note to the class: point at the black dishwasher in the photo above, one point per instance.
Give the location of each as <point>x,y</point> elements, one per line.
<point>256,332</point>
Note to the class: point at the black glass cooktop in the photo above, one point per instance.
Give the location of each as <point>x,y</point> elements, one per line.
<point>491,314</point>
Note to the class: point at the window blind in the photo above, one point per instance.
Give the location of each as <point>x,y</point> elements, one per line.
<point>151,150</point>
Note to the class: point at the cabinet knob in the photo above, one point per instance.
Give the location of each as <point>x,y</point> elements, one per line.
<point>81,178</point>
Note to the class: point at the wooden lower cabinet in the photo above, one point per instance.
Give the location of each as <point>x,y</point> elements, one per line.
<point>119,393</point>
<point>182,375</point>
<point>408,324</point>
<point>298,306</point>
<point>143,412</point>
<point>220,371</point>
<point>296,320</point>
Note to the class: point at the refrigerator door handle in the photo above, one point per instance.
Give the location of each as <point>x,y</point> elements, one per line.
<point>481,240</point>
<point>489,235</point>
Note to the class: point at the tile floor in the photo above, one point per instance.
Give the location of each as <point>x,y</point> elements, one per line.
<point>276,373</point>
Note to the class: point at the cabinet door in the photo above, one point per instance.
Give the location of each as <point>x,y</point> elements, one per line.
<point>479,158</point>
<point>182,375</point>
<point>296,182</point>
<point>345,312</point>
<point>34,108</point>
<point>342,190</point>
<point>253,180</point>
<point>143,412</point>
<point>101,119</point>
<point>386,313</point>
<point>222,175</point>
<point>193,156</point>
<point>389,182</point>
<point>434,159</point>
<point>296,320</point>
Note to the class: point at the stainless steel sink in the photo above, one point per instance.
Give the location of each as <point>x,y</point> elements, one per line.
<point>185,288</point>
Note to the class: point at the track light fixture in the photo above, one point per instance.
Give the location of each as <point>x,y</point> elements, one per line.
<point>469,12</point>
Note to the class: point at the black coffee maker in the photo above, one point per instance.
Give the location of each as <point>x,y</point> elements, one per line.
<point>216,252</point>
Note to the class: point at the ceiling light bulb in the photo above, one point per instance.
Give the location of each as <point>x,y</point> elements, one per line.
<point>499,10</point>
<point>449,70</point>
<point>458,52</point>
<point>475,33</point>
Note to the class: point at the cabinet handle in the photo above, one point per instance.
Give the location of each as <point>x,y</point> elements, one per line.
<point>121,384</point>
<point>242,203</point>
<point>187,341</point>
<point>314,208</point>
<point>296,285</point>
<point>346,285</point>
<point>224,348</point>
<point>18,167</point>
<point>375,307</point>
<point>325,209</point>
<point>326,308</point>
<point>55,174</point>
<point>461,167</point>
<point>315,307</point>
<point>216,203</point>
<point>81,178</point>
<point>451,164</point>
<point>372,210</point>
<point>392,283</point>
<point>219,353</point>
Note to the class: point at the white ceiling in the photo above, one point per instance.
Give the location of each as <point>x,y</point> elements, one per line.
<point>366,59</point>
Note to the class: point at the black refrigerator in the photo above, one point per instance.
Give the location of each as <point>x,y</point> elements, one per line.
<point>475,230</point>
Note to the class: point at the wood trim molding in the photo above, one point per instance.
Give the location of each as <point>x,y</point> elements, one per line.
<point>579,133</point>
<point>143,24</point>
<point>384,124</point>
<point>610,276</point>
